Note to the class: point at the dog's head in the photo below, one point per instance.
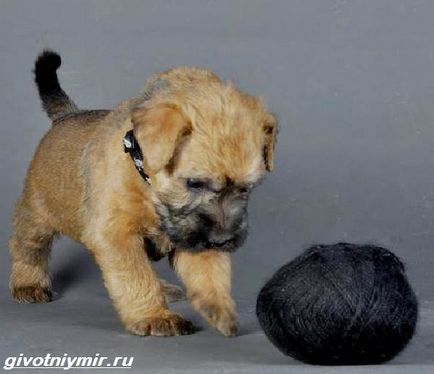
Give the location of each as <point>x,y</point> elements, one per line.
<point>206,146</point>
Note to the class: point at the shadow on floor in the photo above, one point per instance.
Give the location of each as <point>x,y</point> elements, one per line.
<point>73,269</point>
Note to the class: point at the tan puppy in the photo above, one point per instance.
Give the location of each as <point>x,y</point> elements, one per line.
<point>204,145</point>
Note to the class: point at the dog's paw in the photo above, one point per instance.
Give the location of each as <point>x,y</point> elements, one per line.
<point>219,315</point>
<point>173,293</point>
<point>170,325</point>
<point>228,326</point>
<point>32,294</point>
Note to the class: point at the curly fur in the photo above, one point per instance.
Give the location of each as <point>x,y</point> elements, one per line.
<point>189,124</point>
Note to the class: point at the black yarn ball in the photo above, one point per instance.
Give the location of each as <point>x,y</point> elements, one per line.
<point>341,304</point>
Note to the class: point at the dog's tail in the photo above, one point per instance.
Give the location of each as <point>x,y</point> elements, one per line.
<point>55,101</point>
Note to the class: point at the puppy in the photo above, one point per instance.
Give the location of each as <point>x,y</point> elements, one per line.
<point>169,171</point>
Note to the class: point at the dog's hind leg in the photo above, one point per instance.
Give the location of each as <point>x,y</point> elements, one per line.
<point>30,246</point>
<point>172,292</point>
<point>157,249</point>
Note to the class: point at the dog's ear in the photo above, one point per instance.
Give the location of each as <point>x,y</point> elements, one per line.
<point>270,132</point>
<point>159,130</point>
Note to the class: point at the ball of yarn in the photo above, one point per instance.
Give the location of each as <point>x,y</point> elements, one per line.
<point>341,304</point>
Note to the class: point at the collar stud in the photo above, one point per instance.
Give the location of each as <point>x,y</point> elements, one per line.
<point>131,146</point>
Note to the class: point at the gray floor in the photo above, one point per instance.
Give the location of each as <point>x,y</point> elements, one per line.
<point>353,85</point>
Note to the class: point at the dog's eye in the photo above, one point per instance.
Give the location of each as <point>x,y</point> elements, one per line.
<point>194,184</point>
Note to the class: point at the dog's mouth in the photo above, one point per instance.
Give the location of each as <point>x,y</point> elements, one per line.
<point>196,232</point>
<point>227,243</point>
<point>198,242</point>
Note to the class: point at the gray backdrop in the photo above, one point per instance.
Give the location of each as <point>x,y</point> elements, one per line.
<point>352,83</point>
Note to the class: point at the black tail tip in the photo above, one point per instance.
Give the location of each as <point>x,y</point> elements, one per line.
<point>47,62</point>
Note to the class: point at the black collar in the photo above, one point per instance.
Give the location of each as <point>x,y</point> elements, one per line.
<point>132,147</point>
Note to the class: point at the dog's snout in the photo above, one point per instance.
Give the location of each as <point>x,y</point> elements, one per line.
<point>229,213</point>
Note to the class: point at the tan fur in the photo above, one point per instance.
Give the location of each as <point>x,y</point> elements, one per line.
<point>81,184</point>
<point>207,276</point>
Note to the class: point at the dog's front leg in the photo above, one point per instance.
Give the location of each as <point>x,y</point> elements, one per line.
<point>207,276</point>
<point>135,288</point>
